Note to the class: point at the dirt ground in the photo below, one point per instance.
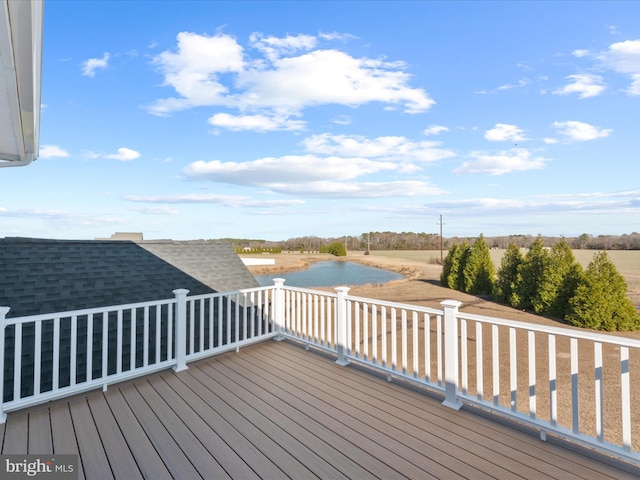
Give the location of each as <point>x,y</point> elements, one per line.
<point>421,286</point>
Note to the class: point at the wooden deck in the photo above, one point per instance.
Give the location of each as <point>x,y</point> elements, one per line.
<point>277,411</point>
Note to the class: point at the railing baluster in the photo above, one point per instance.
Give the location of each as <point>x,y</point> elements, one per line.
<point>365,330</point>
<point>119,342</point>
<point>479,362</point>
<point>495,347</point>
<point>625,394</point>
<point>220,320</point>
<point>105,344</point>
<point>322,323</point>
<point>394,340</point>
<point>415,349</point>
<point>145,338</point>
<point>132,353</point>
<point>171,337</point>
<point>374,333</point>
<point>383,334</point>
<point>74,349</point>
<point>356,307</point>
<point>158,332</point>
<point>513,370</point>
<point>553,383</point>
<point>439,348</point>
<point>316,300</point>
<point>90,346</point>
<point>599,404</point>
<point>531,337</point>
<point>37,360</point>
<point>56,353</point>
<point>464,356</point>
<point>575,398</point>
<point>211,319</point>
<point>427,348</point>
<point>17,362</point>
<point>201,303</point>
<point>404,340</point>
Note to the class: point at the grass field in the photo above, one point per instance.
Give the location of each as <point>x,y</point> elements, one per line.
<point>627,262</point>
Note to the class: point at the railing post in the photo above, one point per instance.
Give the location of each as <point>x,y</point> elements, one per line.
<point>180,321</point>
<point>451,353</point>
<point>342,325</point>
<point>278,308</point>
<point>3,316</point>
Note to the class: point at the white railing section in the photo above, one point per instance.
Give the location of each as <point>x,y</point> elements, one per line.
<point>567,382</point>
<point>50,356</point>
<point>504,366</point>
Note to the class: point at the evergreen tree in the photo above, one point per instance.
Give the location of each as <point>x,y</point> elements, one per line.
<point>600,301</point>
<point>531,290</point>
<point>560,282</point>
<point>451,266</point>
<point>478,271</point>
<point>504,287</point>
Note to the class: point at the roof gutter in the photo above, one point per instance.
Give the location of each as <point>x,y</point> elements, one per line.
<point>21,49</point>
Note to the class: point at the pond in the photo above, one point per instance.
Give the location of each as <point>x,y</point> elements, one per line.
<point>332,274</point>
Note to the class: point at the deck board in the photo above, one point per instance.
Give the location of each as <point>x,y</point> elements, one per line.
<point>274,411</point>
<point>512,453</point>
<point>92,454</point>
<point>62,434</point>
<point>149,462</point>
<point>441,457</point>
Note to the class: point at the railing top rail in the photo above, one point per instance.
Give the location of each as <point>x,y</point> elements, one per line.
<point>229,293</point>
<point>563,331</point>
<point>86,311</point>
<point>310,290</point>
<point>403,306</point>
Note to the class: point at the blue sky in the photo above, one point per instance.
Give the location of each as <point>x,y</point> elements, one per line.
<point>272,120</point>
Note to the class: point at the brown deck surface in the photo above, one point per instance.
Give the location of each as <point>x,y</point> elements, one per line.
<point>277,411</point>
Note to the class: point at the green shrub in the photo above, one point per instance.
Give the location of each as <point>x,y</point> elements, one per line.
<point>600,300</point>
<point>477,270</point>
<point>505,285</point>
<point>452,266</point>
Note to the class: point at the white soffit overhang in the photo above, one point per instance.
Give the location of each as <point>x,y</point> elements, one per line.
<point>21,27</point>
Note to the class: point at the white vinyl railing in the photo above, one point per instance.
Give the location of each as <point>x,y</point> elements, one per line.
<point>572,383</point>
<point>569,382</point>
<point>50,356</point>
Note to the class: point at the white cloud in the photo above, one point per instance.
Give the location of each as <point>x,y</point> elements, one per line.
<point>258,123</point>
<point>585,85</point>
<point>124,155</point>
<point>513,160</point>
<point>581,131</point>
<point>212,198</point>
<point>435,130</point>
<point>275,47</point>
<point>624,57</point>
<point>521,83</point>
<point>157,210</point>
<point>580,53</point>
<point>389,147</point>
<point>328,189</point>
<point>52,151</point>
<point>287,169</point>
<point>90,66</point>
<point>342,120</point>
<point>283,82</point>
<point>504,132</point>
<point>549,140</point>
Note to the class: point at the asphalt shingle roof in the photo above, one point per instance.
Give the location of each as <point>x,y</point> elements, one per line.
<point>44,276</point>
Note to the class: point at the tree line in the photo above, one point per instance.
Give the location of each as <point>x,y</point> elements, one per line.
<point>546,281</point>
<point>431,241</point>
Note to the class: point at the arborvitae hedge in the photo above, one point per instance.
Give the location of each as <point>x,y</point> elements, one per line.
<point>548,282</point>
<point>600,300</point>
